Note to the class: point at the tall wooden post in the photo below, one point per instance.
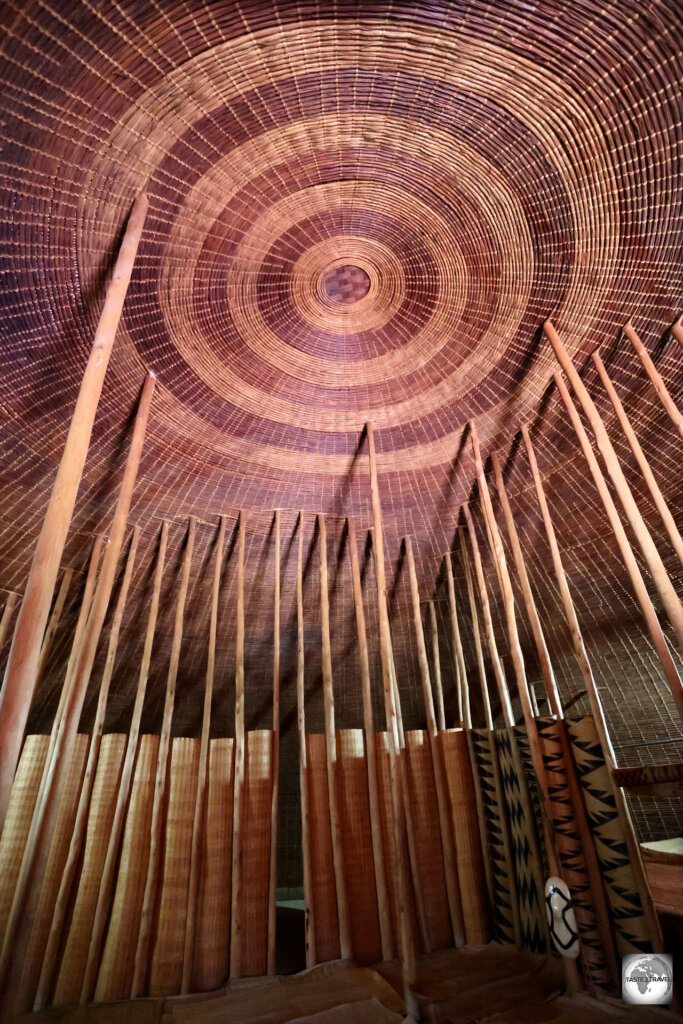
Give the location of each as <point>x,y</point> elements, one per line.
<point>274,801</point>
<point>464,712</point>
<point>238,794</point>
<point>445,826</point>
<point>486,700</point>
<point>303,755</point>
<point>641,459</point>
<point>156,828</point>
<point>53,624</point>
<point>659,574</point>
<point>107,879</point>
<point>199,807</point>
<point>436,662</point>
<point>396,761</point>
<point>653,373</point>
<point>593,695</point>
<point>370,754</point>
<point>20,675</point>
<point>654,628</point>
<point>58,765</point>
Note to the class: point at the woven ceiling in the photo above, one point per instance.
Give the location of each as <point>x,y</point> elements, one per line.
<point>357,211</point>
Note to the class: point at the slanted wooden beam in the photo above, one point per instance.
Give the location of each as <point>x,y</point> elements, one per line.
<point>672,410</point>
<point>436,662</point>
<point>156,828</point>
<point>476,632</point>
<point>464,712</point>
<point>21,672</point>
<point>274,800</point>
<point>200,801</point>
<point>108,872</point>
<point>10,605</point>
<point>309,925</point>
<point>383,909</point>
<point>53,624</point>
<point>238,794</point>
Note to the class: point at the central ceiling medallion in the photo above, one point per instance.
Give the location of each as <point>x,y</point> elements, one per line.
<point>346,284</point>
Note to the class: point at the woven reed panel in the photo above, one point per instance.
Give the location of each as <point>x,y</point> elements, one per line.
<point>59,851</point>
<point>258,790</point>
<point>100,817</point>
<point>322,868</point>
<point>18,820</point>
<point>166,973</point>
<point>115,976</point>
<point>359,869</point>
<point>212,934</point>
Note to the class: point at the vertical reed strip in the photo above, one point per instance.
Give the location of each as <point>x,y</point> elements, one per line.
<point>275,796</point>
<point>238,795</point>
<point>464,711</point>
<point>303,755</point>
<point>436,661</point>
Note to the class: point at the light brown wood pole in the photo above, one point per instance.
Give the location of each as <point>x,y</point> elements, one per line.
<point>199,807</point>
<point>594,697</point>
<point>237,899</point>
<point>476,632</point>
<point>20,674</point>
<point>331,748</point>
<point>10,605</point>
<point>550,684</point>
<point>275,795</point>
<point>309,912</point>
<point>80,824</point>
<point>396,759</point>
<point>58,764</point>
<point>383,909</point>
<point>53,624</point>
<point>436,661</point>
<point>501,682</point>
<point>464,711</point>
<point>672,410</point>
<point>660,577</point>
<point>445,827</point>
<point>643,464</point>
<point>677,330</point>
<point>157,824</point>
<point>643,598</point>
<point>107,879</point>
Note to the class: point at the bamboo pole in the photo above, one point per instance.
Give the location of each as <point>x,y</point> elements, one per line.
<point>331,747</point>
<point>653,373</point>
<point>238,793</point>
<point>274,802</point>
<point>654,628</point>
<point>445,827</point>
<point>20,674</point>
<point>57,768</point>
<point>659,574</point>
<point>370,754</point>
<point>464,711</point>
<point>198,822</point>
<point>303,757</point>
<point>634,444</point>
<point>594,698</point>
<point>156,827</point>
<point>553,694</point>
<point>107,880</point>
<point>52,624</point>
<point>396,760</point>
<point>436,661</point>
<point>80,825</point>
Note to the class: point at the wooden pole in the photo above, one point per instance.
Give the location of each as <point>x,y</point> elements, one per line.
<point>198,822</point>
<point>654,628</point>
<point>107,880</point>
<point>594,698</point>
<point>274,802</point>
<point>80,825</point>
<point>331,747</point>
<point>481,668</point>
<point>396,760</point>
<point>464,711</point>
<point>371,754</point>
<point>436,661</point>
<point>677,330</point>
<point>653,373</point>
<point>10,604</point>
<point>53,624</point>
<point>303,756</point>
<point>634,444</point>
<point>20,674</point>
<point>156,828</point>
<point>57,768</point>
<point>659,574</point>
<point>238,795</point>
<point>445,827</point>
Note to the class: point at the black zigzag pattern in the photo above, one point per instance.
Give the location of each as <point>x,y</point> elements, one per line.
<point>610,838</point>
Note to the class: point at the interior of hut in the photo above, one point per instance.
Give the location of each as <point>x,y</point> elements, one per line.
<point>341,377</point>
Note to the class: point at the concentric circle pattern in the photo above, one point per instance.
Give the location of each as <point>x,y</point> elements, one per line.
<point>358,211</point>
